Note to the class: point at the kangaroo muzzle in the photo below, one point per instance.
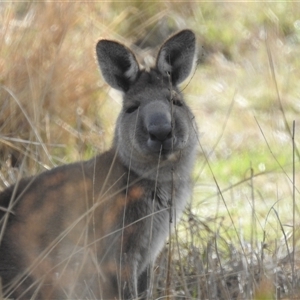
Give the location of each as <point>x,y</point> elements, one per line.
<point>158,123</point>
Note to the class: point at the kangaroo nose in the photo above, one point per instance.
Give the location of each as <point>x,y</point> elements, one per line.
<point>161,133</point>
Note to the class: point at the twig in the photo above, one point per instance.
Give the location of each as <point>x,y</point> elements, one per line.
<point>294,209</point>
<point>277,91</point>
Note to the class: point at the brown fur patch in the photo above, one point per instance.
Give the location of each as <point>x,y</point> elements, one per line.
<point>135,192</point>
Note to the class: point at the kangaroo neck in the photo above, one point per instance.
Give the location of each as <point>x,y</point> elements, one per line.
<point>161,170</point>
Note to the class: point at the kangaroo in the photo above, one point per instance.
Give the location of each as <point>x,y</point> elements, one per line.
<point>92,229</point>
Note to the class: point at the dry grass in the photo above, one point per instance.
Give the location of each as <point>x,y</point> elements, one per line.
<point>240,237</point>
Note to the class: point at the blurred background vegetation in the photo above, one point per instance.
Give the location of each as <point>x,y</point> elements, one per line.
<point>245,94</point>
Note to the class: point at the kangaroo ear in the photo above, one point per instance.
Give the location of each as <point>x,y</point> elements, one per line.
<point>177,56</point>
<point>117,63</point>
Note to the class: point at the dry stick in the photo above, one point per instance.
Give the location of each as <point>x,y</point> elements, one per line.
<point>284,235</point>
<point>224,125</point>
<point>294,193</point>
<point>294,209</point>
<point>277,91</point>
<point>295,150</point>
<point>168,280</point>
<point>224,287</point>
<point>125,202</point>
<point>150,272</point>
<point>1,294</point>
<point>190,79</point>
<point>278,163</point>
<point>289,256</point>
<point>253,227</point>
<point>93,217</point>
<point>84,231</point>
<point>181,277</point>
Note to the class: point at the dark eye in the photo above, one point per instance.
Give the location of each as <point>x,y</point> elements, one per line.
<point>175,99</point>
<point>177,102</point>
<point>131,109</point>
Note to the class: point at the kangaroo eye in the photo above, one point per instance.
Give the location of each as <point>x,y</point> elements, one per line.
<point>131,109</point>
<point>175,99</point>
<point>177,102</point>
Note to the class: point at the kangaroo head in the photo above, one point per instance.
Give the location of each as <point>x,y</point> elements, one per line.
<point>155,125</point>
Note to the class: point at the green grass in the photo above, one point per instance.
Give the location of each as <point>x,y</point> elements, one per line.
<point>239,165</point>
